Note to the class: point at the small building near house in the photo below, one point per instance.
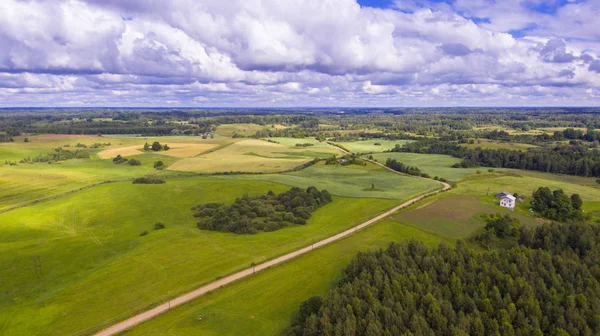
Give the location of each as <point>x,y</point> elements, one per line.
<point>508,201</point>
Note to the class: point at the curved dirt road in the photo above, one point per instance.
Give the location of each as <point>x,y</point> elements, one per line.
<point>149,314</point>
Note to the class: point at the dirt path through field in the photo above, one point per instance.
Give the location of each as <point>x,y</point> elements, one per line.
<point>149,314</point>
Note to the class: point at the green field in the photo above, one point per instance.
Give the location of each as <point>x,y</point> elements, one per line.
<point>252,156</point>
<point>351,181</point>
<point>84,250</point>
<point>368,146</point>
<point>264,303</point>
<point>229,130</point>
<point>433,164</point>
<point>454,216</point>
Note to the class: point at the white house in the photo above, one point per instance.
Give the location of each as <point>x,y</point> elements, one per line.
<point>508,201</point>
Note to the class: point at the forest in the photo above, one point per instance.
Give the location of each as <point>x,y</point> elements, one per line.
<point>560,159</point>
<point>547,285</point>
<point>270,212</point>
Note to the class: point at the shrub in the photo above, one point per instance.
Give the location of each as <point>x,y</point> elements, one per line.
<point>159,226</point>
<point>119,159</point>
<point>148,180</point>
<point>143,233</point>
<point>159,164</point>
<point>134,162</point>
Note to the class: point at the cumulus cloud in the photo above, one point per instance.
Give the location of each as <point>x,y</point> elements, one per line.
<point>314,52</point>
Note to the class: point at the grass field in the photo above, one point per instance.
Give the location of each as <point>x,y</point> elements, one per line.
<point>78,261</point>
<point>368,146</point>
<point>453,216</point>
<point>251,156</point>
<point>264,304</point>
<point>351,181</point>
<point>229,130</point>
<point>433,164</point>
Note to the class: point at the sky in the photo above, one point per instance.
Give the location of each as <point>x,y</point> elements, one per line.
<point>287,53</point>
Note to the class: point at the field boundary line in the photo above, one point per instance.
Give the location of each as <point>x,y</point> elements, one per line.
<point>182,299</point>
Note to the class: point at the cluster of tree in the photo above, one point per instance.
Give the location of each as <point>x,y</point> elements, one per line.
<point>59,154</point>
<point>148,180</point>
<point>570,160</point>
<point>155,147</point>
<point>543,287</point>
<point>402,168</point>
<point>159,165</point>
<point>497,227</point>
<point>352,159</point>
<point>270,212</point>
<point>556,205</point>
<point>576,134</point>
<point>308,144</point>
<point>132,162</point>
<point>346,160</point>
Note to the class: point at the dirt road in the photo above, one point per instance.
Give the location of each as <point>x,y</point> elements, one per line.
<point>149,314</point>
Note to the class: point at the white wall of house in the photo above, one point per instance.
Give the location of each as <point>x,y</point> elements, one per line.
<point>507,202</point>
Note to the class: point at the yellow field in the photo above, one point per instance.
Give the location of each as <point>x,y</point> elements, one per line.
<point>190,148</point>
<point>186,150</point>
<point>251,156</point>
<point>123,151</point>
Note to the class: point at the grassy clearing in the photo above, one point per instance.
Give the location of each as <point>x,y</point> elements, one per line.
<point>368,146</point>
<point>351,181</point>
<point>493,144</point>
<point>78,261</point>
<point>251,156</point>
<point>264,304</point>
<point>229,130</point>
<point>433,164</point>
<point>453,216</point>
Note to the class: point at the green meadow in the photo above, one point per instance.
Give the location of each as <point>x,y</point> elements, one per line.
<point>265,303</point>
<point>350,181</point>
<point>83,250</point>
<point>433,164</point>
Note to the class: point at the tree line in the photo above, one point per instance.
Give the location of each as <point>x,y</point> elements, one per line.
<point>402,168</point>
<point>59,154</point>
<point>270,212</point>
<point>570,160</point>
<point>546,285</point>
